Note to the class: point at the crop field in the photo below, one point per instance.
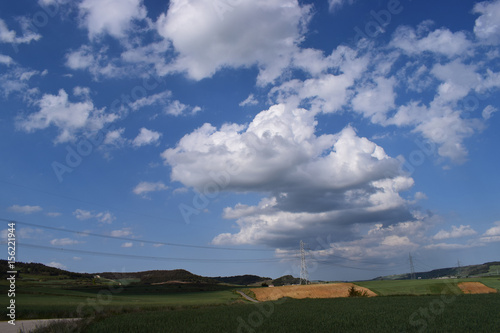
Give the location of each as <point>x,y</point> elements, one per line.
<point>464,313</point>
<point>424,287</point>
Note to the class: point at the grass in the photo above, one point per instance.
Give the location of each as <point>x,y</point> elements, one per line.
<point>411,287</point>
<point>464,313</point>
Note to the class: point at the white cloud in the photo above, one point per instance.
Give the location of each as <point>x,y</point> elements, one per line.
<point>128,244</point>
<point>64,241</point>
<point>441,41</point>
<point>25,209</point>
<point>375,100</point>
<point>447,246</point>
<point>56,265</point>
<point>6,60</point>
<point>250,100</point>
<point>335,5</point>
<point>252,32</point>
<point>122,232</point>
<point>456,232</point>
<point>9,36</point>
<point>105,217</point>
<point>314,182</point>
<point>114,138</point>
<point>23,233</point>
<point>83,214</point>
<point>95,61</point>
<point>493,231</point>
<point>53,214</point>
<point>156,99</point>
<point>70,118</point>
<point>102,217</point>
<point>487,28</point>
<point>143,188</point>
<point>488,112</point>
<point>146,137</point>
<point>114,17</point>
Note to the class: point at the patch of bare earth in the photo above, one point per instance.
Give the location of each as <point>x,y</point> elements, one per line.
<point>331,290</point>
<point>475,288</point>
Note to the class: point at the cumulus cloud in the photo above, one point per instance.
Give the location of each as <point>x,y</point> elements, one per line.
<point>486,27</point>
<point>6,60</point>
<point>441,41</point>
<point>143,188</point>
<point>314,182</point>
<point>128,244</point>
<point>146,137</point>
<point>114,17</point>
<point>259,33</point>
<point>70,118</point>
<point>456,232</point>
<point>27,209</point>
<point>250,100</point>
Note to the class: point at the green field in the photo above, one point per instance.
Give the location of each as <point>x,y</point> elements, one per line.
<point>406,306</point>
<point>423,287</point>
<point>464,313</point>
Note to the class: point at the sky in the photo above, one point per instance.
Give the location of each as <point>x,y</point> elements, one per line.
<point>214,136</point>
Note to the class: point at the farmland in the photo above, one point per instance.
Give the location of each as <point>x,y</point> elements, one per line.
<point>126,304</point>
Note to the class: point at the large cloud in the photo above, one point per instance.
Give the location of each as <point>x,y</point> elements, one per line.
<point>314,183</point>
<point>487,28</point>
<point>212,35</point>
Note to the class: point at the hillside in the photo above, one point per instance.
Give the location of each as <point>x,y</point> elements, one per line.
<point>286,280</point>
<point>242,280</point>
<point>161,276</point>
<point>40,270</point>
<point>486,269</point>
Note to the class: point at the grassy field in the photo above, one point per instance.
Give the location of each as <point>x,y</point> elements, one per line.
<point>423,287</point>
<point>464,313</point>
<point>42,300</point>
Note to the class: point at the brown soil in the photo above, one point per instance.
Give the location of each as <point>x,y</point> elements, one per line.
<point>475,288</point>
<point>331,290</point>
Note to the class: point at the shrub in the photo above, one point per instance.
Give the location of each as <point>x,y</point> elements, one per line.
<point>353,292</point>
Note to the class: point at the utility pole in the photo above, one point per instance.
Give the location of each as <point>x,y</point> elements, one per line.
<point>304,278</point>
<point>412,268</point>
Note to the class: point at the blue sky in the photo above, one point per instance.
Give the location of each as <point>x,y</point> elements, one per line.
<point>233,129</point>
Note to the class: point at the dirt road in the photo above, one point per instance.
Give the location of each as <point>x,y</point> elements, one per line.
<point>28,325</point>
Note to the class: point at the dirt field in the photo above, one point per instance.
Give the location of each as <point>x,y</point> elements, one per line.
<point>475,288</point>
<point>310,291</point>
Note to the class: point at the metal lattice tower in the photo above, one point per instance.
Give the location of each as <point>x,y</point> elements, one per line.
<point>459,269</point>
<point>304,276</point>
<point>412,268</point>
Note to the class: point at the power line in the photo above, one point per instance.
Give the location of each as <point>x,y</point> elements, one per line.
<point>132,256</point>
<point>84,233</point>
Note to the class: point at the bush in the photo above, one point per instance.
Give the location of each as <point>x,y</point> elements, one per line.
<point>353,292</point>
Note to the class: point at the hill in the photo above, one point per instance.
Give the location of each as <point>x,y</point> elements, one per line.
<point>286,280</point>
<point>161,276</point>
<point>242,280</point>
<point>40,270</point>
<point>486,269</point>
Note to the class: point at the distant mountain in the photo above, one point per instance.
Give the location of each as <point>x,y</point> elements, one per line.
<point>242,280</point>
<point>487,269</point>
<point>161,276</point>
<point>39,269</point>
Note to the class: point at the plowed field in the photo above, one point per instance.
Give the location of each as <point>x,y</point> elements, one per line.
<point>331,290</point>
<point>475,288</point>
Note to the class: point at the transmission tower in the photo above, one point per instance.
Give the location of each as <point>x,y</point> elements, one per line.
<point>304,277</point>
<point>412,268</point>
<point>459,269</point>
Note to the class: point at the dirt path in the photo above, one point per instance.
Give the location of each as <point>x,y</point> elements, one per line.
<point>247,297</point>
<point>330,290</point>
<point>29,325</point>
<point>475,288</point>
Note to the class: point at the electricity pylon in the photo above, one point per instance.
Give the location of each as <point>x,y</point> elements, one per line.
<point>304,277</point>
